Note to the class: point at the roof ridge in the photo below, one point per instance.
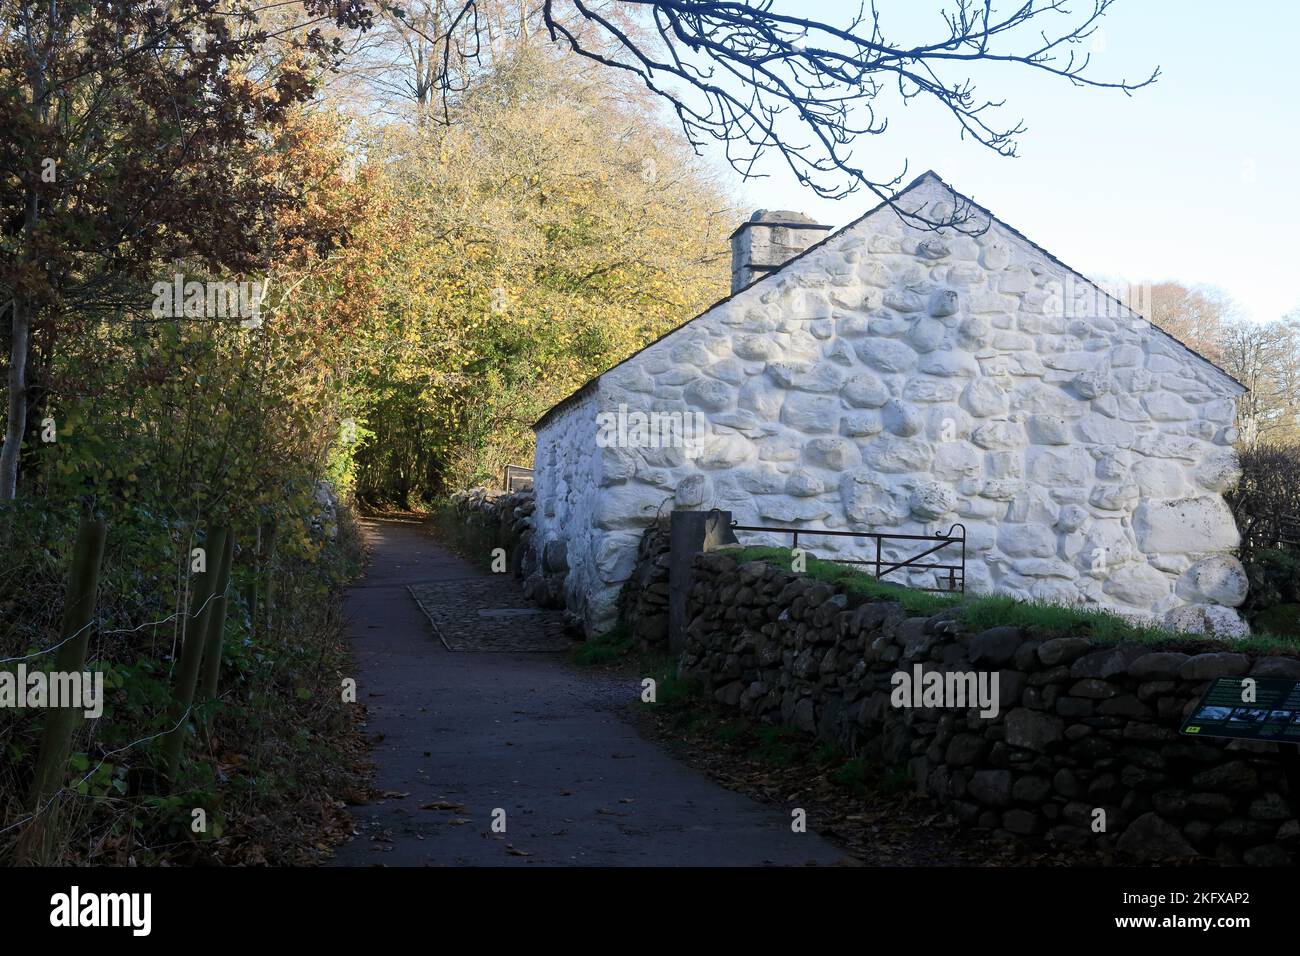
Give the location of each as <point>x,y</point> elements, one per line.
<point>585,388</point>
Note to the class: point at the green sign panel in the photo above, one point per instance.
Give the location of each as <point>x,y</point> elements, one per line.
<point>1252,707</point>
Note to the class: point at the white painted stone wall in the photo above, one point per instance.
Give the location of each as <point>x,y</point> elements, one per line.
<point>898,380</point>
<point>566,488</point>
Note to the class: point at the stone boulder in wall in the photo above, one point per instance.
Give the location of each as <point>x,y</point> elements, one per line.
<point>1185,526</point>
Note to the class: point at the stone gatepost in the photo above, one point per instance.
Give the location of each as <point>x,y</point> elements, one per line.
<point>690,532</point>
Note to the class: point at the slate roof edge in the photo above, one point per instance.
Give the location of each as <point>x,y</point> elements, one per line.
<point>587,387</point>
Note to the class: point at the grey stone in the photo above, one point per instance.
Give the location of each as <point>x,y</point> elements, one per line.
<point>1170,803</point>
<point>555,558</point>
<point>995,646</point>
<point>730,693</point>
<point>1093,689</point>
<point>991,787</point>
<point>1285,668</point>
<point>1150,837</point>
<point>1269,806</point>
<point>1243,830</point>
<point>1062,650</point>
<point>1066,783</point>
<point>1162,665</point>
<point>1236,776</point>
<point>1125,705</point>
<point>1267,855</point>
<point>965,750</point>
<point>803,715</point>
<point>1031,789</point>
<point>1210,666</point>
<point>1288,833</point>
<point>1215,806</point>
<point>1074,707</point>
<point>1106,663</point>
<point>912,633</point>
<point>1141,778</point>
<point>1011,685</point>
<point>1033,730</point>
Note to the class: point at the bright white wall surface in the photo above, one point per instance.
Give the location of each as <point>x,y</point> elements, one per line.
<point>897,380</point>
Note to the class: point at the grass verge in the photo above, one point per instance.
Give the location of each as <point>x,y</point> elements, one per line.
<point>1046,620</point>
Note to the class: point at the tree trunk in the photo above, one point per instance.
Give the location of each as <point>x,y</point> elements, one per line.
<point>187,671</point>
<point>36,843</point>
<point>16,420</point>
<point>251,585</point>
<point>211,671</point>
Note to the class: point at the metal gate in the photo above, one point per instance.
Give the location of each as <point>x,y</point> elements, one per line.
<point>956,581</point>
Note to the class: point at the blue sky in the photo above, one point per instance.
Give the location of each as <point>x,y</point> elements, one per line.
<point>1193,178</point>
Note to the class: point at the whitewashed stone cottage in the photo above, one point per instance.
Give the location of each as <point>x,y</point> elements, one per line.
<point>892,378</point>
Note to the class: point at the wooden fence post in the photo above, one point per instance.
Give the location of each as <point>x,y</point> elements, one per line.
<point>192,649</point>
<point>216,625</point>
<point>272,538</point>
<point>34,845</point>
<point>252,584</point>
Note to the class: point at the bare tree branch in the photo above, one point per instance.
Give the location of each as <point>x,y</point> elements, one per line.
<point>760,81</point>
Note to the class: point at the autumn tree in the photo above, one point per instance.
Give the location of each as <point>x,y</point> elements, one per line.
<point>1265,357</point>
<point>128,130</point>
<point>1196,316</point>
<point>542,236</point>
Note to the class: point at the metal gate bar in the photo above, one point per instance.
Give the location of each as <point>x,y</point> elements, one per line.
<point>883,566</point>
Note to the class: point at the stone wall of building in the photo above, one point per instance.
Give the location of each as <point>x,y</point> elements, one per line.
<point>566,536</point>
<point>897,380</point>
<point>1081,726</point>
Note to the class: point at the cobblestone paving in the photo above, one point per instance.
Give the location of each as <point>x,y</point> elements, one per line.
<point>490,614</point>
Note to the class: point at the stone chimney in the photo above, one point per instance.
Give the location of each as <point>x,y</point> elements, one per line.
<point>770,239</point>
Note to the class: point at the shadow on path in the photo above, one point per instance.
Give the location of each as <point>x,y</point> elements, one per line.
<point>467,733</point>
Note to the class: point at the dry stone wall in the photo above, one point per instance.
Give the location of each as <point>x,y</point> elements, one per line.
<point>1080,727</point>
<point>496,519</point>
<point>644,600</point>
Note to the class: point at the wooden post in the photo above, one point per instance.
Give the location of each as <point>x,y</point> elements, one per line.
<point>211,672</point>
<point>251,585</point>
<point>192,650</point>
<point>34,846</point>
<point>272,538</point>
